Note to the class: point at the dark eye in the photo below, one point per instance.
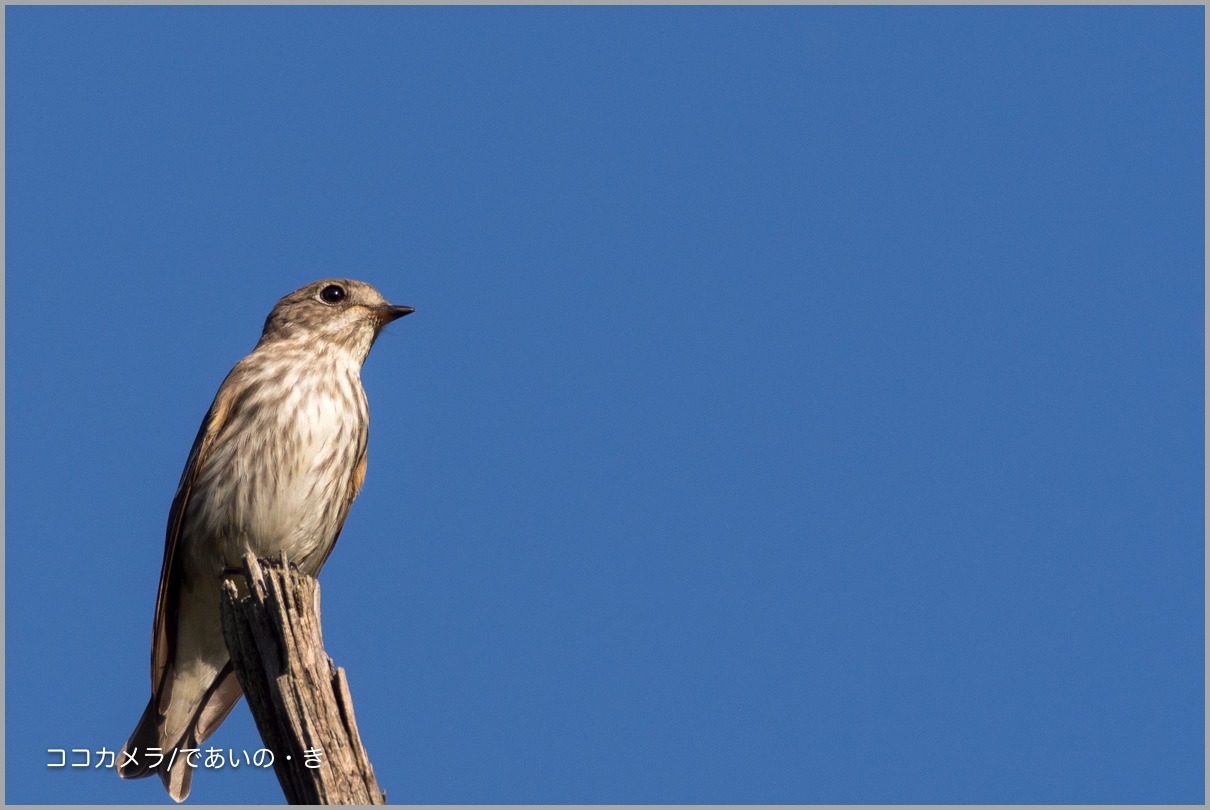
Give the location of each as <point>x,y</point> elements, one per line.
<point>333,293</point>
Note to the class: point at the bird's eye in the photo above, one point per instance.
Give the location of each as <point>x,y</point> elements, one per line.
<point>333,293</point>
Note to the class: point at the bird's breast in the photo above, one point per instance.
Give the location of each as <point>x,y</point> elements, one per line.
<point>278,477</point>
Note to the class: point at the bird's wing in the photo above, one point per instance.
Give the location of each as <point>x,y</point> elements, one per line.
<point>354,486</point>
<point>163,637</point>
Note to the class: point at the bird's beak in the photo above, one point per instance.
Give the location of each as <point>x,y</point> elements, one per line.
<point>388,312</point>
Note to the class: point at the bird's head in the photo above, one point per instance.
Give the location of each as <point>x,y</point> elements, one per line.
<point>332,313</point>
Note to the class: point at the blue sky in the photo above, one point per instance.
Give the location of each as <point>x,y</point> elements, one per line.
<point>802,404</point>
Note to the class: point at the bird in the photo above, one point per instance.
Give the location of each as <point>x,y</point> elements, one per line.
<point>278,459</point>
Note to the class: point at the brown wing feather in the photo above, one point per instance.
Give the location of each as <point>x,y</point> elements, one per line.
<point>163,637</point>
<point>355,482</point>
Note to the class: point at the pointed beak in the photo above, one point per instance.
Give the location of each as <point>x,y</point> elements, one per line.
<point>388,312</point>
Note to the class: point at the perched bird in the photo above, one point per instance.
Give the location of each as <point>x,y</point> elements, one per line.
<point>276,464</point>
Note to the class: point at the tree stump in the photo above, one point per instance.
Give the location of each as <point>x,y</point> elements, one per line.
<point>298,696</point>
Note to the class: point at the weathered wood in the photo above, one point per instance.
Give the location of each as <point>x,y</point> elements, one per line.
<point>298,696</point>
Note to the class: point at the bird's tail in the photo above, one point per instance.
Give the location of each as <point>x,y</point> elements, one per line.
<point>168,757</point>
<point>147,753</point>
<point>133,762</point>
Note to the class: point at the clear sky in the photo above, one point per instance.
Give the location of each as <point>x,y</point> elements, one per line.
<point>801,404</point>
